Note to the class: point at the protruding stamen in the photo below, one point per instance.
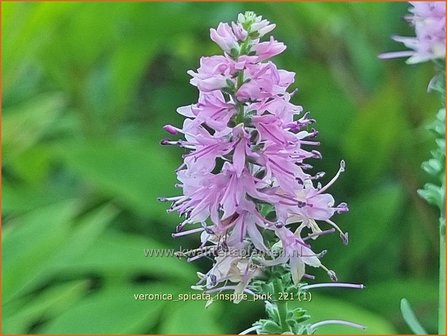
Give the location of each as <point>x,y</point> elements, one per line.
<point>169,199</point>
<point>183,165</point>
<point>304,121</point>
<point>342,207</point>
<point>195,287</point>
<point>185,233</point>
<point>191,259</point>
<point>330,284</point>
<point>318,176</point>
<point>182,144</point>
<point>340,170</point>
<point>332,275</point>
<point>310,143</point>
<point>294,92</point>
<point>320,233</point>
<point>321,254</point>
<point>313,134</point>
<point>342,166</point>
<point>170,129</point>
<point>327,322</point>
<point>316,154</point>
<point>249,330</point>
<point>344,236</point>
<point>165,142</point>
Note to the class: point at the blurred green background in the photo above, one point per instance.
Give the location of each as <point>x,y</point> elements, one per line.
<point>86,90</point>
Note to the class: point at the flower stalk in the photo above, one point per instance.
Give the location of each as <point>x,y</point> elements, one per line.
<point>435,194</point>
<point>428,19</point>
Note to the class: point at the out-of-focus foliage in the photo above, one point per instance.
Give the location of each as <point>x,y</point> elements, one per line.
<point>86,89</point>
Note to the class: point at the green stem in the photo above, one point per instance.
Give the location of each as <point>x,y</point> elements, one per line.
<point>281,305</point>
<point>441,320</point>
<point>282,311</point>
<point>442,284</point>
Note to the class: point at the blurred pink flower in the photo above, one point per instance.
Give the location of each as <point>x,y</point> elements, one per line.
<point>428,19</point>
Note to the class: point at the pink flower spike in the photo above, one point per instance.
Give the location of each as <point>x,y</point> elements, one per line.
<point>428,19</point>
<point>244,181</point>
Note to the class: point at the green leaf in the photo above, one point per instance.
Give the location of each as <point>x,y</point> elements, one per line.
<point>179,315</point>
<point>17,199</point>
<point>32,165</point>
<point>136,174</point>
<point>433,194</point>
<point>115,253</point>
<point>410,318</point>
<point>110,311</point>
<point>432,166</point>
<point>27,27</point>
<point>127,67</point>
<point>300,315</point>
<point>270,327</point>
<point>374,209</point>
<point>381,122</point>
<point>331,107</point>
<point>29,243</point>
<point>36,116</point>
<point>324,308</point>
<point>383,297</point>
<point>50,303</point>
<point>85,234</point>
